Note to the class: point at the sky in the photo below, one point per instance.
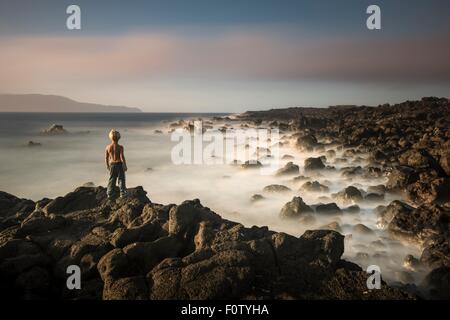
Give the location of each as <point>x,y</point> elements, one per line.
<point>226,56</point>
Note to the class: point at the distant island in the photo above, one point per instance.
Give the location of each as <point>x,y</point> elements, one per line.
<point>53,103</point>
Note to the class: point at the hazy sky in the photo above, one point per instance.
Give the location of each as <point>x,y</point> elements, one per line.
<point>226,56</point>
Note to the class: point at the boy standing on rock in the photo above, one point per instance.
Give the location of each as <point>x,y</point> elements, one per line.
<point>116,164</point>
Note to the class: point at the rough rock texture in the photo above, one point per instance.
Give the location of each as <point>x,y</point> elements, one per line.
<point>135,249</point>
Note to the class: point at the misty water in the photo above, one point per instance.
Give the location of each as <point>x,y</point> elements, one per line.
<point>64,162</point>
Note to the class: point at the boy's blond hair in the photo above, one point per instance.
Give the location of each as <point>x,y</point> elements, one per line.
<point>114,135</point>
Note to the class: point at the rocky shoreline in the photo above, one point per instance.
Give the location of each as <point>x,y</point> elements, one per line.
<point>135,249</point>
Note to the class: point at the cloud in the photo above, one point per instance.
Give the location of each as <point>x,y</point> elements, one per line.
<point>244,55</point>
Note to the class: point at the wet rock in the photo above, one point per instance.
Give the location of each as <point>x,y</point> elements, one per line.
<point>404,277</point>
<point>295,208</point>
<point>313,164</point>
<point>287,157</point>
<point>276,188</point>
<point>251,164</point>
<point>400,177</point>
<point>387,214</point>
<point>289,169</point>
<point>314,186</point>
<point>307,143</point>
<point>55,129</point>
<point>350,194</point>
<point>412,263</point>
<point>329,208</point>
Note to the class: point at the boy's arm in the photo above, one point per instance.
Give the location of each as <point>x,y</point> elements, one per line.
<point>122,157</point>
<point>107,158</point>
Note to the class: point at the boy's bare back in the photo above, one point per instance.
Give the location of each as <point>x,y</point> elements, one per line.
<point>114,153</point>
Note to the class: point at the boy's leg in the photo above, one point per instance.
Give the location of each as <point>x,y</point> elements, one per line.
<point>112,180</point>
<point>122,186</point>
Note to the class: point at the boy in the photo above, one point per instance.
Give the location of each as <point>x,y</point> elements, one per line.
<point>116,164</point>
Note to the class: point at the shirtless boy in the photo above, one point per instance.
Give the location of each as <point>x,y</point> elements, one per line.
<point>116,164</point>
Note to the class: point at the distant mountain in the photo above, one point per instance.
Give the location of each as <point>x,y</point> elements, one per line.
<point>51,103</point>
